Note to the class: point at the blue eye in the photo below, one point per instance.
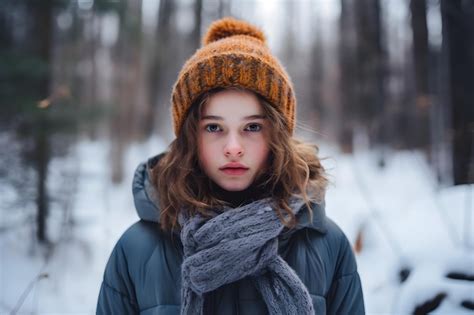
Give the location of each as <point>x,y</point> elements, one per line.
<point>213,128</point>
<point>253,127</point>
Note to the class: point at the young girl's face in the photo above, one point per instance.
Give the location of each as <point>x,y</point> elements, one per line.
<point>233,139</point>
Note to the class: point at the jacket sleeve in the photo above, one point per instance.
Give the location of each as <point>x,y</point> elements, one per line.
<point>345,294</point>
<point>117,293</point>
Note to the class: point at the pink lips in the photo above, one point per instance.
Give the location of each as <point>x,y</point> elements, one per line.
<point>234,168</point>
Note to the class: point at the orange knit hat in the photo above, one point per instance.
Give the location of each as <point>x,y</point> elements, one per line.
<point>233,54</point>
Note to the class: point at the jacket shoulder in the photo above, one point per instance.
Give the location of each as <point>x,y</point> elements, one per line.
<point>345,295</point>
<point>135,244</point>
<point>329,252</point>
<point>141,241</point>
<point>139,258</point>
<point>141,237</point>
<point>144,260</point>
<point>338,280</point>
<point>341,251</point>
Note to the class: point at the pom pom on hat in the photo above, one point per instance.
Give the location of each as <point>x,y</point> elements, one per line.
<point>228,26</point>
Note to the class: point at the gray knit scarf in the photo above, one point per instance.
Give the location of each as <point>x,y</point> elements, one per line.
<point>234,244</point>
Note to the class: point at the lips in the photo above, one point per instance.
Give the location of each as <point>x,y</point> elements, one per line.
<point>234,171</point>
<point>234,168</point>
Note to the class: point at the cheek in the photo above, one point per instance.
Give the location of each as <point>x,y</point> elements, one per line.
<point>205,154</point>
<point>262,151</point>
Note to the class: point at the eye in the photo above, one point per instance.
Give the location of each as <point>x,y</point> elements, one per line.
<point>253,127</point>
<point>213,128</point>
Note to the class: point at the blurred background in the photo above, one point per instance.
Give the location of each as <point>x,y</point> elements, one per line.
<point>384,87</point>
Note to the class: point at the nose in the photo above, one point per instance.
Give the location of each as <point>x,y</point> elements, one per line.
<point>233,147</point>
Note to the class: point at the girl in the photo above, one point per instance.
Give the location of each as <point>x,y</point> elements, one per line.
<point>232,217</point>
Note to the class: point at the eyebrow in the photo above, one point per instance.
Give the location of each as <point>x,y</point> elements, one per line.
<point>213,117</point>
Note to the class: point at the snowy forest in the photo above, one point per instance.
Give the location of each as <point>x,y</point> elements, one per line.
<point>385,88</point>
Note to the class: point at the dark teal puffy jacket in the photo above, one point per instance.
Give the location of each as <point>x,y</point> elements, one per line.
<point>143,273</point>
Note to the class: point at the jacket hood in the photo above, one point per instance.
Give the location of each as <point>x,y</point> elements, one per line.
<point>146,200</point>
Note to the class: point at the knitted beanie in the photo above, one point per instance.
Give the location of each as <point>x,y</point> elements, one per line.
<point>234,53</point>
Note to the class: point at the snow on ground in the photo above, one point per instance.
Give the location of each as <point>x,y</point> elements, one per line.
<point>75,267</point>
<point>406,222</point>
<point>404,219</point>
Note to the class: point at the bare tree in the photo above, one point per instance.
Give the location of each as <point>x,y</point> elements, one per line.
<point>370,70</point>
<point>42,18</point>
<point>127,60</point>
<point>196,33</point>
<point>420,122</point>
<point>163,57</point>
<point>458,52</point>
<point>347,47</point>
<point>224,8</point>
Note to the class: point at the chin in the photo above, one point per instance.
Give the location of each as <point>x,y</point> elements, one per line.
<point>233,186</point>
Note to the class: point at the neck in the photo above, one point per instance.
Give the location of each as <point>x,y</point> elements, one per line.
<point>239,198</point>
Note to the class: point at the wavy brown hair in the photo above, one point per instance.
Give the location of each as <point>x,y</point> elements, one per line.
<point>293,168</point>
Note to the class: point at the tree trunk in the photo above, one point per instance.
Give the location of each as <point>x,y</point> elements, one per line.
<point>42,153</point>
<point>196,34</point>
<point>369,71</point>
<point>42,16</point>
<point>458,49</point>
<point>347,48</point>
<point>420,132</point>
<point>161,62</point>
<point>224,8</point>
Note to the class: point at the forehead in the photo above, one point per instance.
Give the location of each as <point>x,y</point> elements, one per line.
<point>232,103</point>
